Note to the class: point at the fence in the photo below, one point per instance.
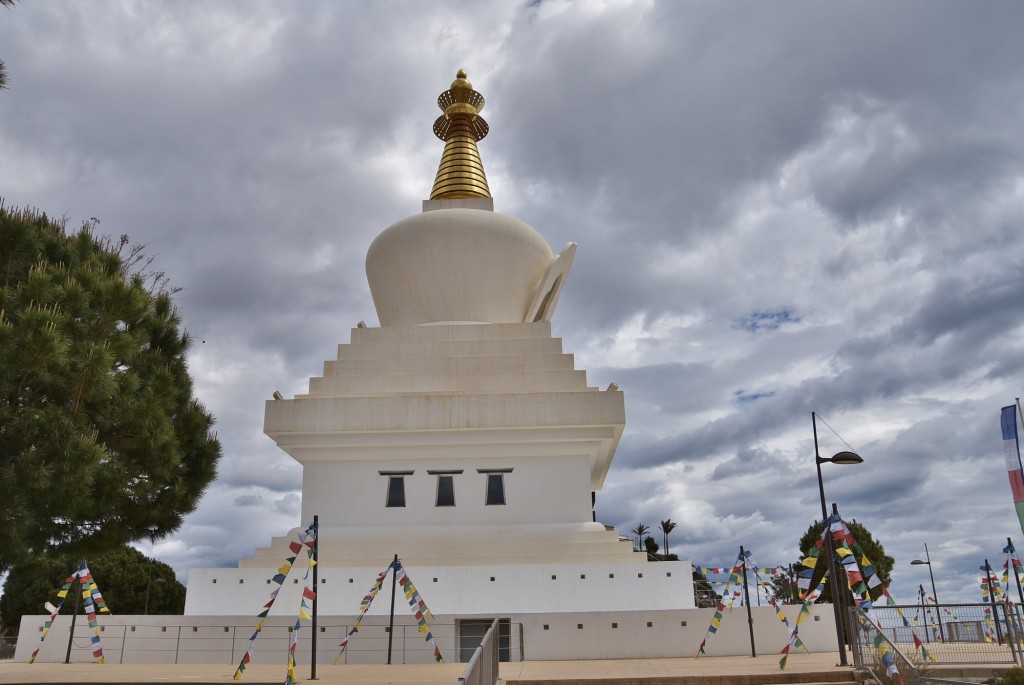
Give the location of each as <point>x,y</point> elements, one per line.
<point>952,633</point>
<point>225,644</point>
<point>483,666</point>
<point>7,645</point>
<point>949,634</point>
<point>875,652</point>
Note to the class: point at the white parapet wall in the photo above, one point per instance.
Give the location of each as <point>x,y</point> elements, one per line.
<point>532,636</point>
<point>456,590</point>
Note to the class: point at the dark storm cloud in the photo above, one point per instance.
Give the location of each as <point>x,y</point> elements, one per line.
<point>248,500</point>
<point>780,209</point>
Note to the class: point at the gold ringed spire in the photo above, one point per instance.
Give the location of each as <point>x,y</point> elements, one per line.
<point>461,171</point>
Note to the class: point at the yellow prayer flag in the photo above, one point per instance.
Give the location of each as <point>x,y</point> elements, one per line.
<point>305,614</point>
<point>283,570</point>
<point>809,562</point>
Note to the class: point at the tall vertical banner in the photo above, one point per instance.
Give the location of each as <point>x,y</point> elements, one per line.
<point>1011,453</point>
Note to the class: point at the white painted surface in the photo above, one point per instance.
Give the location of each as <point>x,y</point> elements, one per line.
<point>455,265</point>
<point>459,589</point>
<point>584,635</point>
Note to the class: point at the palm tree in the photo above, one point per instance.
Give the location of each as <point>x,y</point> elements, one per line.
<point>667,526</point>
<point>639,532</point>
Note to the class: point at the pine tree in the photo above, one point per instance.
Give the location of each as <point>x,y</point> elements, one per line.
<point>124,576</point>
<point>101,440</point>
<point>3,70</point>
<point>873,549</point>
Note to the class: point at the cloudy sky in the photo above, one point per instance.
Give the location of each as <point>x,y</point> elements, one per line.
<point>780,208</point>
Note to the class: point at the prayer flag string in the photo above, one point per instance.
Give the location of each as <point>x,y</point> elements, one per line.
<point>416,605</point>
<point>364,606</point>
<point>306,539</point>
<point>92,603</point>
<point>862,578</point>
<point>716,619</point>
<point>308,593</point>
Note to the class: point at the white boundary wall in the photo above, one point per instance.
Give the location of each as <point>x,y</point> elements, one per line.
<point>535,637</point>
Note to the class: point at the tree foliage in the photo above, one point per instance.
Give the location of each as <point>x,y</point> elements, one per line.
<point>640,531</point>
<point>666,527</point>
<point>101,440</point>
<point>651,546</point>
<point>783,589</point>
<point>3,71</point>
<point>121,575</point>
<point>873,549</point>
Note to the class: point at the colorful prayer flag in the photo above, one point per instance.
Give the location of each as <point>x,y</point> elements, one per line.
<point>1011,454</point>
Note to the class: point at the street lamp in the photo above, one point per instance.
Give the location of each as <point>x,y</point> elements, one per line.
<point>927,561</point>
<point>149,584</point>
<point>838,458</point>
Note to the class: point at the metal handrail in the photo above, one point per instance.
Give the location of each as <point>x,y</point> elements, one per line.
<point>875,653</point>
<point>482,668</point>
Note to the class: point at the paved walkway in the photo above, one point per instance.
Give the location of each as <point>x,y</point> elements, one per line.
<point>568,672</point>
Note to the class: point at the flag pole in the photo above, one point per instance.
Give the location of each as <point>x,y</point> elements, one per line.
<point>74,611</point>
<point>746,598</point>
<point>391,622</point>
<point>316,591</point>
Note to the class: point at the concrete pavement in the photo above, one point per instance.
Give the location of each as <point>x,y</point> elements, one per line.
<point>593,672</point>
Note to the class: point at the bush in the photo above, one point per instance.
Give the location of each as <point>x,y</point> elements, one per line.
<point>1012,676</point>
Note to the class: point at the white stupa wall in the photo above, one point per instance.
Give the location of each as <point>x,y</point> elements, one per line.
<point>463,376</point>
<point>481,589</point>
<point>360,504</point>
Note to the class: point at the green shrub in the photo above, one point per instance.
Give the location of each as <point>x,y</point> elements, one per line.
<point>1012,676</point>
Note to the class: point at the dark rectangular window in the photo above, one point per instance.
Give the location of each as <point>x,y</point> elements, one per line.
<point>396,487</point>
<point>495,488</point>
<point>396,491</point>
<point>445,491</point>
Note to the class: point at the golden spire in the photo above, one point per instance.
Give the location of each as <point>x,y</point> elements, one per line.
<point>461,173</point>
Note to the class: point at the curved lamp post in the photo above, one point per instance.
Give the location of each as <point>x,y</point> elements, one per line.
<point>149,584</point>
<point>927,561</point>
<point>837,593</point>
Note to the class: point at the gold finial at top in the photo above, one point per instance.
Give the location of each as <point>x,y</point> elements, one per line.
<point>461,172</point>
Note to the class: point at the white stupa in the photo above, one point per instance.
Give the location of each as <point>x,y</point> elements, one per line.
<point>457,435</point>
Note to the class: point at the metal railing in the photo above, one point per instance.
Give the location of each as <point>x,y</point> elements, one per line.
<point>875,653</point>
<point>950,633</point>
<point>482,668</point>
<point>7,646</point>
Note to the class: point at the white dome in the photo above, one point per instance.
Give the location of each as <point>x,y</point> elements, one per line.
<point>455,265</point>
